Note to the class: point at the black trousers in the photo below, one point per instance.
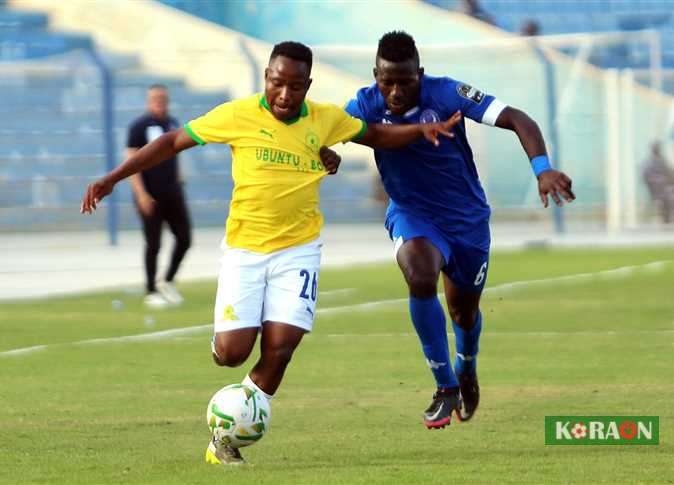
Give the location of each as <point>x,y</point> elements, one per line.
<point>169,208</point>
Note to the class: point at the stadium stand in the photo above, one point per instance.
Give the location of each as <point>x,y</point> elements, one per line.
<point>226,62</point>
<point>574,16</point>
<point>584,120</point>
<point>52,139</point>
<point>341,23</point>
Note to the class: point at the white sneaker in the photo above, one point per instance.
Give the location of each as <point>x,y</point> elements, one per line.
<point>170,292</point>
<point>155,300</point>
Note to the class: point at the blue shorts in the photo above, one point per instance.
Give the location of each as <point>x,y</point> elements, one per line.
<point>466,255</point>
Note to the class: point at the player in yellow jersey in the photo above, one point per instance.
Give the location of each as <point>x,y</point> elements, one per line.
<point>269,275</point>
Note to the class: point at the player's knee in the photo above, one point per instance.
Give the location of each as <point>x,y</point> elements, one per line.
<point>422,284</point>
<point>228,356</point>
<point>463,317</point>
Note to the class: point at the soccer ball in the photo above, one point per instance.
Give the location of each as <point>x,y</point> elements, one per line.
<point>238,415</point>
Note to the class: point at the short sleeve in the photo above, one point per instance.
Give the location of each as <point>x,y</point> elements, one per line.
<point>360,106</point>
<point>473,103</point>
<point>216,126</point>
<point>354,109</point>
<point>344,127</point>
<point>136,136</point>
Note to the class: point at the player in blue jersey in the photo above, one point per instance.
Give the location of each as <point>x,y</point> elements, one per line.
<point>438,216</point>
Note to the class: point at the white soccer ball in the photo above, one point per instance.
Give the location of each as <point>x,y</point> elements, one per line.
<point>238,415</point>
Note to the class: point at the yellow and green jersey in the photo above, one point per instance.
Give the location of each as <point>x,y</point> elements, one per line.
<point>276,168</point>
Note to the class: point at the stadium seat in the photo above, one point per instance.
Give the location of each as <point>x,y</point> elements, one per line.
<point>12,20</point>
<point>569,16</point>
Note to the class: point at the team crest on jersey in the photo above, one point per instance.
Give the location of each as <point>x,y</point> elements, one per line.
<point>429,116</point>
<point>312,140</point>
<point>469,92</point>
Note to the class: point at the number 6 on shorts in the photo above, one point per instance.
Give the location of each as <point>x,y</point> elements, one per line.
<point>481,274</point>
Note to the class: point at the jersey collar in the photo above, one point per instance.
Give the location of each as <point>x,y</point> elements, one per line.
<point>303,111</point>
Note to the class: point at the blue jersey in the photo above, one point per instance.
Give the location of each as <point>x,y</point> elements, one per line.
<point>440,183</point>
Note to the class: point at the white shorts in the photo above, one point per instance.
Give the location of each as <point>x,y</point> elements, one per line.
<point>281,286</point>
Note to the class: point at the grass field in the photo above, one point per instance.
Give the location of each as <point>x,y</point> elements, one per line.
<point>133,411</point>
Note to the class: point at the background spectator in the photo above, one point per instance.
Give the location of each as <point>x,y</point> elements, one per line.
<point>659,178</point>
<point>159,198</point>
<point>475,10</point>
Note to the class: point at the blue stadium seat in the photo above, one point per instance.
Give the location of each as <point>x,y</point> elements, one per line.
<point>568,16</point>
<point>20,44</point>
<point>12,20</point>
<point>643,20</point>
<point>51,136</point>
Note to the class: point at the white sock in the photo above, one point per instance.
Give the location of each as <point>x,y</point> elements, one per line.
<point>249,382</point>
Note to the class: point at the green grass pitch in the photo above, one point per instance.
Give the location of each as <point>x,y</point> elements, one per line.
<point>349,410</point>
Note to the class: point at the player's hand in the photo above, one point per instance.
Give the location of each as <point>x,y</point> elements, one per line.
<point>432,130</point>
<point>555,184</point>
<point>94,194</point>
<point>330,160</point>
<point>146,204</point>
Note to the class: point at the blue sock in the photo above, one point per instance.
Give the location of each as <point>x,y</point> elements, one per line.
<point>429,320</point>
<point>467,346</point>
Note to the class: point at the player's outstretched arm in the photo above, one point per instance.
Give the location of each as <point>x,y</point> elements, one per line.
<point>163,148</point>
<point>388,137</point>
<point>551,182</point>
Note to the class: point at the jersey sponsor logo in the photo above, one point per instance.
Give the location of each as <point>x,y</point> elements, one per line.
<point>282,160</point>
<point>429,116</point>
<point>469,92</point>
<point>386,122</point>
<point>277,156</point>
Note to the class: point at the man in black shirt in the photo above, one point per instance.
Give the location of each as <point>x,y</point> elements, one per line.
<point>158,196</point>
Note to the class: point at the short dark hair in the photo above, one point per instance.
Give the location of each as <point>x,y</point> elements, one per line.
<point>293,50</point>
<point>397,46</point>
<point>158,86</point>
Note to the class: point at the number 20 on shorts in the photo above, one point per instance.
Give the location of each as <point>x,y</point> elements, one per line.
<point>305,286</point>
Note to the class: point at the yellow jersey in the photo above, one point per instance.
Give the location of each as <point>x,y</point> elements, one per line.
<point>275,166</point>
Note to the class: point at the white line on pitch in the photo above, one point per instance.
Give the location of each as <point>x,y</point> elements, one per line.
<point>340,292</point>
<point>514,333</point>
<point>486,333</point>
<point>24,350</point>
<point>621,272</point>
<point>142,337</point>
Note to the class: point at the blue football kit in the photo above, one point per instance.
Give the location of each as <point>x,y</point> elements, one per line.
<point>435,193</point>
